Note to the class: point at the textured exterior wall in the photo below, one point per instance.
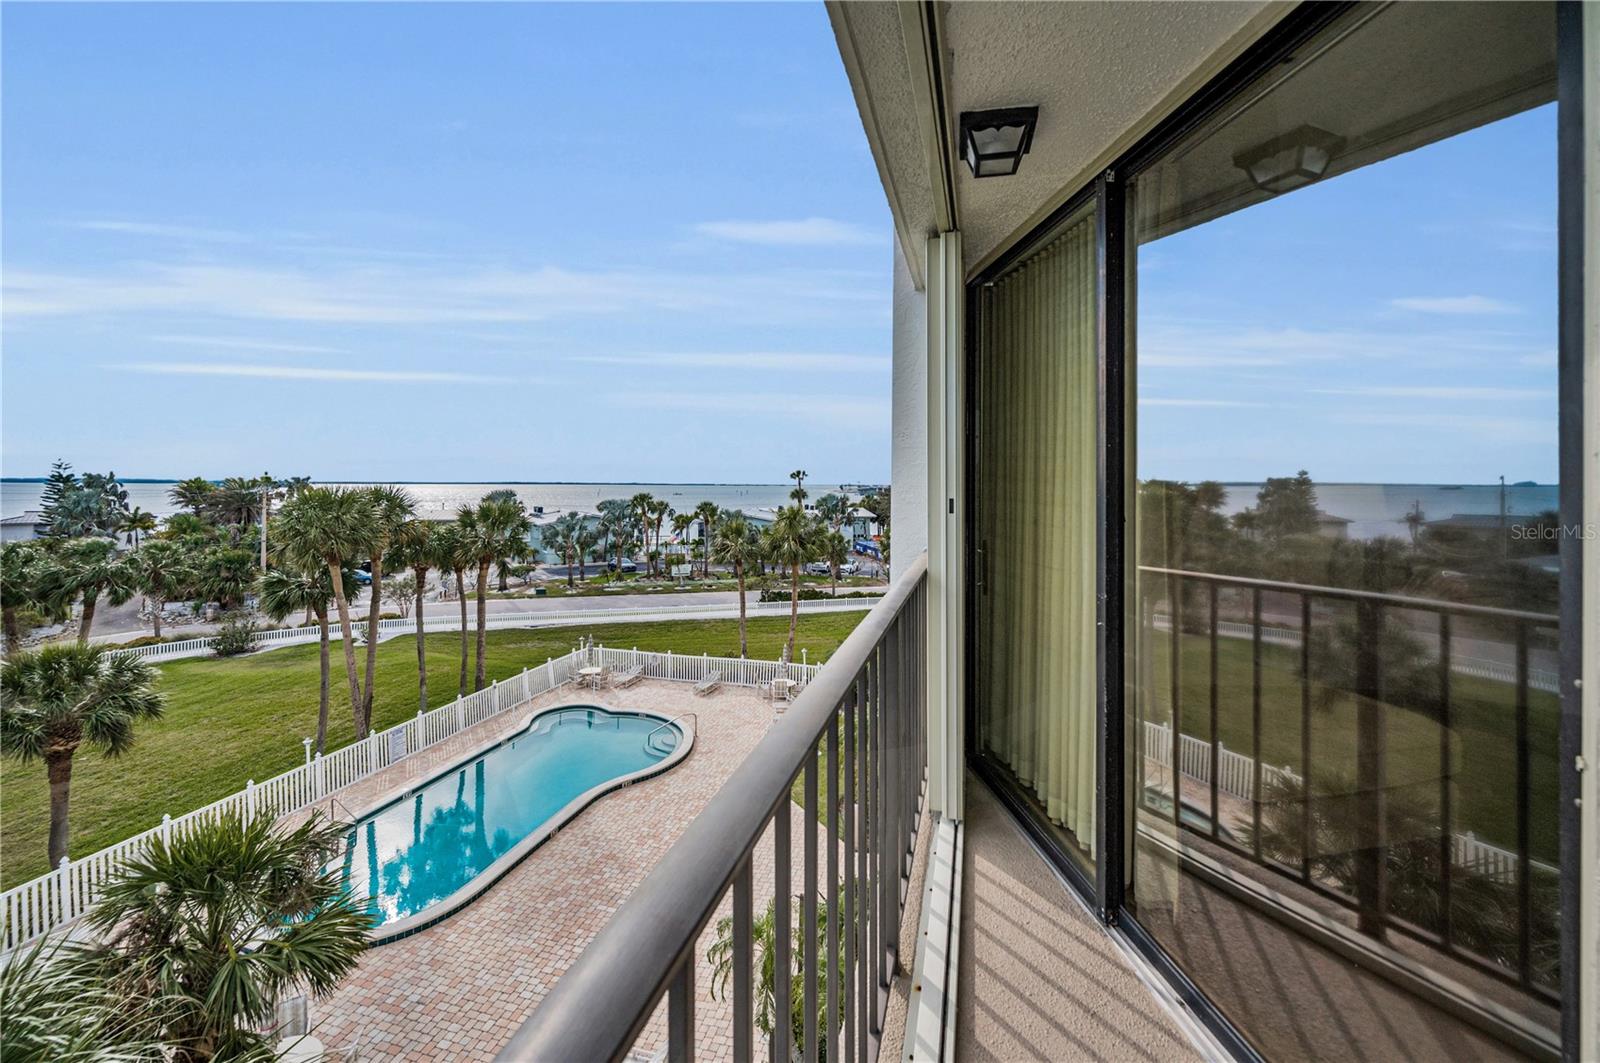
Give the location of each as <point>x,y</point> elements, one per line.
<point>908,519</point>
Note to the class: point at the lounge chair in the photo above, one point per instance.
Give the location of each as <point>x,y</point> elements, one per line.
<point>710,683</point>
<point>628,678</point>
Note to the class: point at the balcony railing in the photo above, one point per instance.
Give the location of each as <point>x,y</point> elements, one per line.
<point>1341,653</point>
<point>855,738</point>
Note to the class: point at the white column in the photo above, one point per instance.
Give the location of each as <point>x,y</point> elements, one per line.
<point>946,512</point>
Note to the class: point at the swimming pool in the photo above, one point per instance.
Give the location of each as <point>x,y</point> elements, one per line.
<point>427,853</point>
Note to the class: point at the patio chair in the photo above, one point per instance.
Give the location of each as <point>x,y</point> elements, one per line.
<point>710,683</point>
<point>628,678</point>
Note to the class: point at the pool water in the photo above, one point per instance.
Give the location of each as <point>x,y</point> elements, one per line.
<point>416,852</point>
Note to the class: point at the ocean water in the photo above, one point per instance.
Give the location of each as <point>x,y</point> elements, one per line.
<point>434,499</point>
<point>1373,509</point>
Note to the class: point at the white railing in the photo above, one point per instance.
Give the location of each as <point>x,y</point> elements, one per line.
<point>1236,777</point>
<point>61,896</point>
<point>199,647</point>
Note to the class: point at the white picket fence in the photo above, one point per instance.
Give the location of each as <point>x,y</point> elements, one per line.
<point>1236,777</point>
<point>59,897</point>
<point>199,647</point>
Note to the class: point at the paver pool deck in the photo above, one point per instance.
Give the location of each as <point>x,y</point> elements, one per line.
<point>460,989</point>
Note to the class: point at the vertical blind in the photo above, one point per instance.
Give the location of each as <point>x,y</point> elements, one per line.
<point>1036,527</point>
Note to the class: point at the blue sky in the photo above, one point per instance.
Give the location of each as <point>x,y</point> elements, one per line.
<point>1395,324</point>
<point>456,242</point>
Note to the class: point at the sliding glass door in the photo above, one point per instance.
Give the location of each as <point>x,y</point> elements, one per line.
<point>1034,617</point>
<point>1343,638</point>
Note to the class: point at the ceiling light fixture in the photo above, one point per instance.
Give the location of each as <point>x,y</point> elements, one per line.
<point>1290,161</point>
<point>994,142</point>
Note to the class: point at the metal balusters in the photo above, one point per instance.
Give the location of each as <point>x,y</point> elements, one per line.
<point>782,933</point>
<point>680,1013</point>
<point>852,882</point>
<point>808,912</point>
<point>743,1015</point>
<point>831,1013</point>
<point>1216,809</point>
<point>1255,721</point>
<point>1306,840</point>
<point>1446,784</point>
<point>1524,788</point>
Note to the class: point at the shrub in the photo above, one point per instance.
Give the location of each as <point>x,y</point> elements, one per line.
<point>237,635</point>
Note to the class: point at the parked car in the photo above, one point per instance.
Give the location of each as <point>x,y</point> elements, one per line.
<point>818,568</point>
<point>363,577</point>
<point>849,568</point>
<point>628,565</point>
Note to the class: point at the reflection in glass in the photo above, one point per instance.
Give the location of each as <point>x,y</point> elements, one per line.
<point>1343,631</point>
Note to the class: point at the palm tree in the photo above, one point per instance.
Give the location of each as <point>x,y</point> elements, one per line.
<point>305,587</point>
<point>55,699</point>
<point>583,544</point>
<point>644,507</point>
<point>209,930</point>
<point>193,494</point>
<point>28,579</point>
<point>736,547</point>
<point>799,492</point>
<point>680,530</point>
<point>92,568</point>
<point>392,507</point>
<point>835,550</point>
<point>59,1007</point>
<point>660,510</point>
<point>451,555</point>
<point>161,570</point>
<point>562,533</point>
<point>708,514</point>
<point>791,541</point>
<point>416,549</point>
<point>833,508</point>
<point>139,522</point>
<point>494,529</point>
<point>332,525</point>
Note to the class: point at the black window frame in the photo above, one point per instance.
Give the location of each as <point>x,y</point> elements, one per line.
<point>1105,892</point>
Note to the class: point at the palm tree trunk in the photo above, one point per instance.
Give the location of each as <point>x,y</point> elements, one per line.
<point>744,643</point>
<point>461,595</point>
<point>422,649</point>
<point>322,687</point>
<point>155,615</point>
<point>568,558</point>
<point>483,622</point>
<point>13,630</point>
<point>504,586</point>
<point>58,768</point>
<point>794,606</point>
<point>89,602</point>
<point>372,637</point>
<point>349,646</point>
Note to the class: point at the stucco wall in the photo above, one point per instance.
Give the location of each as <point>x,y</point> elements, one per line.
<point>909,419</point>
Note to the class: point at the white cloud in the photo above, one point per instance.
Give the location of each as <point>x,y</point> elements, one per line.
<point>1150,400</point>
<point>1454,304</point>
<point>385,294</point>
<point>832,408</point>
<point>244,343</point>
<point>754,360</point>
<point>811,232</point>
<point>296,372</point>
<point>1492,429</point>
<point>1491,394</point>
<point>157,229</point>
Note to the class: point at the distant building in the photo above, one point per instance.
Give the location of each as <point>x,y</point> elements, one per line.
<point>26,525</point>
<point>1332,527</point>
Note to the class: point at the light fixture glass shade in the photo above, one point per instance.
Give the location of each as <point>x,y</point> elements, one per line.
<point>994,142</point>
<point>1290,161</point>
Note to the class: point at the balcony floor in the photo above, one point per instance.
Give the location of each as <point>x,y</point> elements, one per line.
<point>1040,979</point>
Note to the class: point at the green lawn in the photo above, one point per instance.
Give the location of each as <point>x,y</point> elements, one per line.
<point>1483,747</point>
<point>231,720</point>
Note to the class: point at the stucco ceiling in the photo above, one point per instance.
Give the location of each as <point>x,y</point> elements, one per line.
<point>1100,73</point>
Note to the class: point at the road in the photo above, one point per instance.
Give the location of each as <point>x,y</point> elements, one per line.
<point>124,624</point>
